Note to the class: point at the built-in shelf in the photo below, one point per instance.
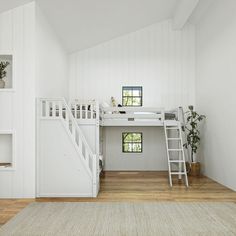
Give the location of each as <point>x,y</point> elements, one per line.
<point>9,76</point>
<point>7,90</point>
<point>7,148</point>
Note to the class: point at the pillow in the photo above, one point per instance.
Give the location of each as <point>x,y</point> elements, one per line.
<point>121,112</point>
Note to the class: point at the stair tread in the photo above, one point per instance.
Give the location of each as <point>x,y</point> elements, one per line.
<point>173,138</point>
<point>178,173</point>
<point>174,149</point>
<point>181,161</point>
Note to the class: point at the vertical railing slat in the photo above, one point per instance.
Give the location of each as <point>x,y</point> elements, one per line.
<point>86,111</point>
<point>80,111</point>
<point>91,111</point>
<point>60,109</point>
<point>47,109</point>
<point>75,109</point>
<point>53,109</point>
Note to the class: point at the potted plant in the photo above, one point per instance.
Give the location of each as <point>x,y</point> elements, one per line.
<point>3,73</point>
<point>193,139</point>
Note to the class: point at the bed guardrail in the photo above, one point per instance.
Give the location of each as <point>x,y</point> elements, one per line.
<point>91,111</point>
<point>133,113</point>
<point>85,110</point>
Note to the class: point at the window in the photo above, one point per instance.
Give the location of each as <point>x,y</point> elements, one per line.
<point>132,96</point>
<point>132,142</point>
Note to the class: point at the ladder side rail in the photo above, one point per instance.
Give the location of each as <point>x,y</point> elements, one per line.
<point>184,161</point>
<point>181,111</point>
<point>168,154</point>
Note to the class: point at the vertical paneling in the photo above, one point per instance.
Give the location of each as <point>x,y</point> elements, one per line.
<point>156,57</point>
<point>17,106</point>
<point>6,31</point>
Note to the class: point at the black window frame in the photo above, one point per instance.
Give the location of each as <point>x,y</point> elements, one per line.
<point>132,88</point>
<point>123,142</point>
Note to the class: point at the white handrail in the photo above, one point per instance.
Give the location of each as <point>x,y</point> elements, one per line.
<point>133,109</point>
<point>77,127</point>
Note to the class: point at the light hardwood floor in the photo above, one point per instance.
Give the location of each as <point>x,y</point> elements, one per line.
<point>136,186</point>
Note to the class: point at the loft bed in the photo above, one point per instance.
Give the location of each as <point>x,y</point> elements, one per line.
<point>91,112</point>
<point>136,116</point>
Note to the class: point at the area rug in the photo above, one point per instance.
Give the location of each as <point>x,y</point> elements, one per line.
<point>126,219</point>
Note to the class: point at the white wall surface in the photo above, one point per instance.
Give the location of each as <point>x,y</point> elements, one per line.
<point>51,60</point>
<point>216,83</point>
<point>156,57</point>
<point>153,156</point>
<point>17,107</point>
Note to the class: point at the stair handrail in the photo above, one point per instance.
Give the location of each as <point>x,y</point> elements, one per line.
<point>78,128</point>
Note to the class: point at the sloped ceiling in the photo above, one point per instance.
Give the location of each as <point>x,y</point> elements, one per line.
<point>84,23</point>
<point>81,24</point>
<point>6,5</point>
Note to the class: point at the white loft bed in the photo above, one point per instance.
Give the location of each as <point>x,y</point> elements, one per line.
<point>90,112</point>
<point>92,117</point>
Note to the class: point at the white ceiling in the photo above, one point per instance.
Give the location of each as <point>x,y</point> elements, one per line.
<point>81,24</point>
<point>9,4</point>
<point>84,23</point>
<point>200,11</point>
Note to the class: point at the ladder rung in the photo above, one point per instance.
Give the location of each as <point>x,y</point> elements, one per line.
<point>176,127</point>
<point>177,161</point>
<point>178,173</point>
<point>177,150</point>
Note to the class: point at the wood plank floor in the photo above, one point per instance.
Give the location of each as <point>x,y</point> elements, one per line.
<point>136,186</point>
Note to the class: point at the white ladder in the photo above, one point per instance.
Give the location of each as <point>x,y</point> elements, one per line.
<point>175,126</point>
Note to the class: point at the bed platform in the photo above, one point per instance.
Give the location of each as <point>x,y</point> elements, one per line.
<point>90,112</point>
<point>132,116</point>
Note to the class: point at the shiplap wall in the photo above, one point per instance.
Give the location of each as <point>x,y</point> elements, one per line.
<point>17,106</point>
<point>158,58</point>
<point>215,89</point>
<point>51,60</point>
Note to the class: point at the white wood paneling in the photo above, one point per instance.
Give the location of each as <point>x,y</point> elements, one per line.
<point>215,88</point>
<point>51,60</point>
<point>17,107</point>
<point>158,58</point>
<point>153,156</point>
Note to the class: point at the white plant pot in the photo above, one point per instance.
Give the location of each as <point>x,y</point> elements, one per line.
<point>194,157</point>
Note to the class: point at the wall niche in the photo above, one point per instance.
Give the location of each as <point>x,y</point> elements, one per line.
<point>6,149</point>
<point>9,71</point>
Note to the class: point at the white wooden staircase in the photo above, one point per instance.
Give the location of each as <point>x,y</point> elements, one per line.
<point>80,165</point>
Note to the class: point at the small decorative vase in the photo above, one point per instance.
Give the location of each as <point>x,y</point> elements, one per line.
<point>2,83</point>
